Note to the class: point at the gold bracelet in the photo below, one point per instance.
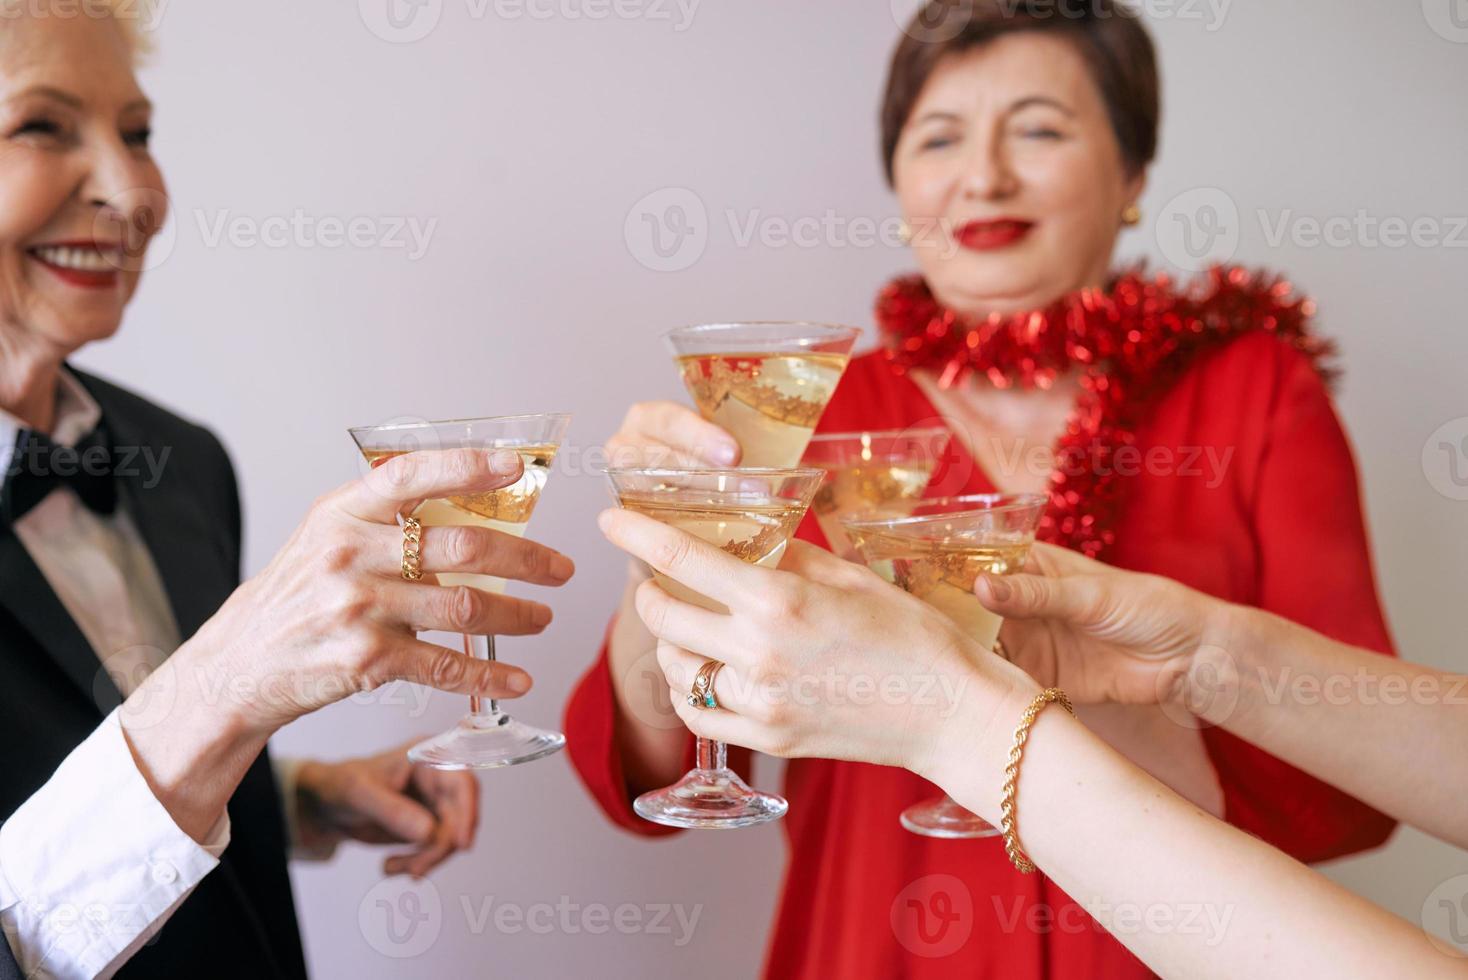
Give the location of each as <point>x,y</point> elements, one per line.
<point>1016,853</point>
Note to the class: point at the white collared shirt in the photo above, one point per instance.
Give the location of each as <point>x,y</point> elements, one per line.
<point>79,895</point>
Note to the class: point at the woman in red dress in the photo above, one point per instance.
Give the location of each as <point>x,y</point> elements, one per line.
<point>1182,431</point>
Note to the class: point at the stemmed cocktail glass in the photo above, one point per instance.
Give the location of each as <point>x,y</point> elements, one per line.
<point>764,383</point>
<point>751,514</point>
<point>485,738</point>
<point>937,553</point>
<point>872,473</point>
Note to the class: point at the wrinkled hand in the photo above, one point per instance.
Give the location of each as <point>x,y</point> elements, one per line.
<point>1100,633</point>
<point>823,658</point>
<point>385,799</point>
<point>331,615</point>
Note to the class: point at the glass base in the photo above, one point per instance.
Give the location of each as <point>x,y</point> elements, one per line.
<point>944,818</point>
<point>710,799</point>
<point>493,742</point>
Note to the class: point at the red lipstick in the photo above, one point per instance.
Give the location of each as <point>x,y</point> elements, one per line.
<point>84,264</point>
<point>986,236</point>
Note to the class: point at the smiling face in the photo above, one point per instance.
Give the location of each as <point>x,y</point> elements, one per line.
<point>1010,175</point>
<point>80,195</point>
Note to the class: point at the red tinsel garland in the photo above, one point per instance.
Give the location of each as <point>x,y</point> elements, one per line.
<point>1131,342</point>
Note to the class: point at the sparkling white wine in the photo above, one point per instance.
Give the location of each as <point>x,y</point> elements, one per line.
<point>755,531</point>
<point>769,402</point>
<point>878,486</point>
<point>943,573</point>
<point>507,509</point>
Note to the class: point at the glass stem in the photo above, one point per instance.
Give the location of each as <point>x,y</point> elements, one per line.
<point>711,755</point>
<point>484,712</point>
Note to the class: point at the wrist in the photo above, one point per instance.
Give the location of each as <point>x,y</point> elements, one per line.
<point>971,744</point>
<point>191,753</point>
<point>315,831</point>
<point>1211,679</point>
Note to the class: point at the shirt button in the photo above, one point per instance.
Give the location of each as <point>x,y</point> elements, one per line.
<point>164,873</point>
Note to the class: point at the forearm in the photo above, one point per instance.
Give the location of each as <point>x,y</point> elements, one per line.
<point>1345,715</point>
<point>1188,894</point>
<point>192,753</point>
<point>1152,739</point>
<point>651,737</point>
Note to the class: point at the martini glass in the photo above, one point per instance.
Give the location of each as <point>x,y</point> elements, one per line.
<point>872,473</point>
<point>766,384</point>
<point>485,738</point>
<point>751,514</point>
<point>937,553</point>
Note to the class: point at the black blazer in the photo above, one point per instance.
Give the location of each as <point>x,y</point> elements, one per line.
<point>240,921</point>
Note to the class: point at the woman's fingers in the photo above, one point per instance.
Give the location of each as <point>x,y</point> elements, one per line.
<point>418,863</point>
<point>403,818</point>
<point>422,606</point>
<point>687,625</point>
<point>681,667</point>
<point>477,550</point>
<point>382,493</point>
<point>1053,560</point>
<point>725,726</point>
<point>647,454</point>
<point>456,799</point>
<point>1034,596</point>
<point>685,559</point>
<point>681,429</point>
<point>452,671</point>
<point>819,565</point>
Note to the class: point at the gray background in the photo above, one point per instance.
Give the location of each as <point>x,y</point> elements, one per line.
<point>532,136</point>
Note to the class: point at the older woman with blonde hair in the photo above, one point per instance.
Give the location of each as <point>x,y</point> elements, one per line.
<point>119,579</point>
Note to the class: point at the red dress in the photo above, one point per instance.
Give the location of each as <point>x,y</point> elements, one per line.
<point>1272,519</point>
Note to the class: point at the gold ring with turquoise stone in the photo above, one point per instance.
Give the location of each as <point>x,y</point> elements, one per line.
<point>702,695</point>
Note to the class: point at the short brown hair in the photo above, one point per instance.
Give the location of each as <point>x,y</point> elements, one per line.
<point>1109,35</point>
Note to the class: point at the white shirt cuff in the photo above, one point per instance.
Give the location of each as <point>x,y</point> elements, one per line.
<point>92,865</point>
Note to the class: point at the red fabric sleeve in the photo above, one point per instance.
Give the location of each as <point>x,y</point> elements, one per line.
<point>596,754</point>
<point>1314,569</point>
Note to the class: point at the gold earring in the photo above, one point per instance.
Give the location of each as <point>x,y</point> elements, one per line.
<point>1132,216</point>
<point>904,232</point>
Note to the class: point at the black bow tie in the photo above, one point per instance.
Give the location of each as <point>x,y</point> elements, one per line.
<point>40,466</point>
